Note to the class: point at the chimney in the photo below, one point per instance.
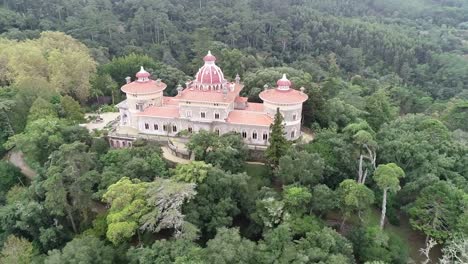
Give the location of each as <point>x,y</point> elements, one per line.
<point>128,79</point>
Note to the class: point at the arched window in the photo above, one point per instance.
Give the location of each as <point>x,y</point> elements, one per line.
<point>202,114</point>
<point>174,128</point>
<point>217,131</point>
<point>293,133</point>
<point>156,127</point>
<point>265,136</point>
<point>216,115</point>
<point>190,129</point>
<point>254,135</point>
<point>294,117</point>
<point>244,134</point>
<point>124,144</point>
<point>146,126</point>
<point>165,128</point>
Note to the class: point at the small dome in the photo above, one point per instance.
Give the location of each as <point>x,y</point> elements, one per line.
<point>142,73</point>
<point>210,73</point>
<point>209,57</point>
<point>283,83</point>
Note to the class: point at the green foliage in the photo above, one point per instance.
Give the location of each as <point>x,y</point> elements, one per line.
<point>100,146</point>
<point>17,250</point>
<point>323,245</point>
<point>167,252</point>
<point>128,205</point>
<point>455,115</point>
<point>54,58</point>
<point>71,110</point>
<point>437,210</point>
<point>40,139</point>
<point>372,244</point>
<point>85,249</point>
<point>388,176</point>
<point>194,172</point>
<point>358,60</point>
<point>419,144</point>
<point>220,198</point>
<point>9,176</point>
<point>296,199</point>
<point>338,154</point>
<point>300,167</point>
<point>69,184</point>
<point>227,151</point>
<point>41,109</point>
<point>26,217</point>
<point>121,67</point>
<point>229,247</point>
<point>165,198</point>
<point>323,199</point>
<point>380,109</point>
<point>354,198</point>
<point>145,206</point>
<point>142,162</point>
<point>278,144</point>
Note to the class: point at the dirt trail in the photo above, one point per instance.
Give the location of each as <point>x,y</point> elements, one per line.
<point>17,159</point>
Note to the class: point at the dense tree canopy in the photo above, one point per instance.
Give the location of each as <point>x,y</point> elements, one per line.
<point>387,85</point>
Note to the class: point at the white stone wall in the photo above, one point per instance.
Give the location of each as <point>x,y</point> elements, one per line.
<point>179,123</point>
<point>246,132</point>
<point>184,124</point>
<point>292,117</point>
<point>191,118</point>
<point>145,100</point>
<point>209,109</point>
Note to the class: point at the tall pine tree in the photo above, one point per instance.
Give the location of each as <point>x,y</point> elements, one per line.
<point>278,143</point>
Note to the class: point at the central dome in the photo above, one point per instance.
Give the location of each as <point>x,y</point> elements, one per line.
<point>210,74</point>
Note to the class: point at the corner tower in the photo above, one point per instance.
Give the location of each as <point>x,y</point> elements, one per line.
<point>289,101</point>
<point>141,93</point>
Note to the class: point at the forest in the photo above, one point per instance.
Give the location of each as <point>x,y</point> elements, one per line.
<point>385,179</point>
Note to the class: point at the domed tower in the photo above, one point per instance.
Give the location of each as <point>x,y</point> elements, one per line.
<point>289,101</point>
<point>141,93</point>
<point>210,77</point>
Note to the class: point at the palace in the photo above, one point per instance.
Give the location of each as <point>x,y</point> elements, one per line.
<point>208,102</point>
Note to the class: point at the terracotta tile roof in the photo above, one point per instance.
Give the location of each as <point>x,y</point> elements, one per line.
<point>290,96</point>
<point>254,107</point>
<point>241,99</point>
<point>150,86</point>
<point>249,118</point>
<point>193,94</point>
<point>161,111</point>
<point>167,100</point>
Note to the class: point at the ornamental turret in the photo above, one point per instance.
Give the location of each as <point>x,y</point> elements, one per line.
<point>210,77</point>
<point>142,75</point>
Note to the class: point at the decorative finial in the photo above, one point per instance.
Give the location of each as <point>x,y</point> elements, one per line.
<point>209,52</point>
<point>302,89</point>
<point>265,87</point>
<point>141,68</point>
<point>237,78</point>
<point>284,76</point>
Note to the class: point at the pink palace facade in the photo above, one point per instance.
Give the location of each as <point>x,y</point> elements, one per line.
<point>209,102</point>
